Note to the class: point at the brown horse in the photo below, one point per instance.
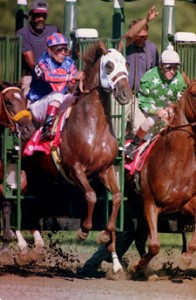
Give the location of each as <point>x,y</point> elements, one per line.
<point>88,146</point>
<point>13,115</point>
<point>168,178</point>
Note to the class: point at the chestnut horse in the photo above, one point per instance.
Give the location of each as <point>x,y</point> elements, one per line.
<point>13,115</point>
<point>88,146</point>
<point>168,177</point>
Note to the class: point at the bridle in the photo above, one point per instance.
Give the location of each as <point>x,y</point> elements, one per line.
<point>13,119</point>
<point>109,81</point>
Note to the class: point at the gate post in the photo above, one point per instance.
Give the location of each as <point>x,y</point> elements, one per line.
<point>118,19</point>
<point>11,156</point>
<point>168,22</point>
<point>70,22</point>
<point>21,14</point>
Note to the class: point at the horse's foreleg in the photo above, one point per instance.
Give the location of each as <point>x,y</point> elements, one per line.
<point>112,249</point>
<point>151,214</point>
<point>189,208</point>
<point>80,179</point>
<point>36,252</point>
<point>109,180</point>
<point>22,258</point>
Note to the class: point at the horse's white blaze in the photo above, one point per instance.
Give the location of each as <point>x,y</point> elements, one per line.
<point>17,96</point>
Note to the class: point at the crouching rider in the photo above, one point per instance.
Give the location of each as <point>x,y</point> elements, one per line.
<point>160,88</point>
<point>53,76</point>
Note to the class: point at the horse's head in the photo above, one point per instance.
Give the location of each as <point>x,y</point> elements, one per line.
<point>14,113</point>
<point>189,97</point>
<point>114,75</point>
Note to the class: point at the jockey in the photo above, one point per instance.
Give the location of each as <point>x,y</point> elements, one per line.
<point>159,88</point>
<point>54,75</point>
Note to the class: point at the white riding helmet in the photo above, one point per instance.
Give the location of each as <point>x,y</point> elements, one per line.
<point>169,56</point>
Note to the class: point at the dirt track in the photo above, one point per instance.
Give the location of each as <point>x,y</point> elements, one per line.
<point>56,276</point>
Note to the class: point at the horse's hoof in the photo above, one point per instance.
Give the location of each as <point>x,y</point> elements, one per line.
<point>117,268</point>
<point>132,268</point>
<point>36,253</point>
<point>119,275</point>
<point>34,256</point>
<point>102,238</point>
<point>4,258</point>
<point>183,262</point>
<point>81,235</point>
<point>22,259</point>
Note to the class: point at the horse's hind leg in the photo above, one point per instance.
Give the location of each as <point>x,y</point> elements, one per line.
<point>6,238</point>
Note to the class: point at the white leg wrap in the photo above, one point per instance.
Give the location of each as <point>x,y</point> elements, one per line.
<point>116,264</point>
<point>22,244</point>
<point>38,239</point>
<point>147,124</point>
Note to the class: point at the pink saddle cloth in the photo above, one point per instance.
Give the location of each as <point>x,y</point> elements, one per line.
<point>34,144</point>
<point>142,153</point>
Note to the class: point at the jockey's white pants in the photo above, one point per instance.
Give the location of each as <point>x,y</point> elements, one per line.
<point>39,108</point>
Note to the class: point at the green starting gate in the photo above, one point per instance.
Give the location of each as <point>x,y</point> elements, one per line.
<point>10,58</point>
<point>10,70</point>
<point>185,45</point>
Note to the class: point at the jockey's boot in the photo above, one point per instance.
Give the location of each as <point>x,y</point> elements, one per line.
<point>47,134</point>
<point>137,140</point>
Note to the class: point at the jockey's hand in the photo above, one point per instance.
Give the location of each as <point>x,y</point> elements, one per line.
<point>162,113</point>
<point>80,76</point>
<point>152,14</point>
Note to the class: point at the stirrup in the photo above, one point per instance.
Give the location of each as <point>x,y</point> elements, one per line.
<point>130,151</point>
<point>47,136</point>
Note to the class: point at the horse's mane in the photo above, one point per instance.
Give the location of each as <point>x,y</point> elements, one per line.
<point>92,54</point>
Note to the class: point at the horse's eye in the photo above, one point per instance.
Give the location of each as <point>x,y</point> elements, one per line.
<point>8,102</point>
<point>109,67</point>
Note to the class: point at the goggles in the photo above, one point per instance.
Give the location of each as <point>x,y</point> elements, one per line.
<point>58,50</point>
<point>169,67</point>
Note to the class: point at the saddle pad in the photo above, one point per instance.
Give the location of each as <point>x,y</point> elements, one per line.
<point>34,144</point>
<point>141,154</point>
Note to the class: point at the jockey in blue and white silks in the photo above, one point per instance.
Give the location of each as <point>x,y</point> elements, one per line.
<point>53,74</point>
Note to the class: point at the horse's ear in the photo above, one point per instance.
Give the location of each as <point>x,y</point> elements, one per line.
<point>17,84</point>
<point>103,47</point>
<point>3,85</point>
<point>186,78</point>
